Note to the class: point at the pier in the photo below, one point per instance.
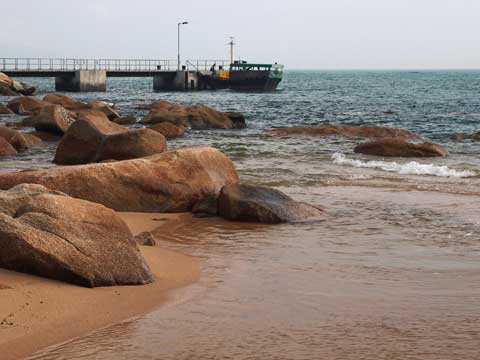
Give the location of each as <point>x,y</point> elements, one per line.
<point>85,75</point>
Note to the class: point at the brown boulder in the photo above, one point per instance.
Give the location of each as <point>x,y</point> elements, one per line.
<point>130,145</point>
<point>400,148</point>
<point>461,137</point>
<point>6,148</point>
<point>366,131</point>
<point>51,118</point>
<point>168,130</point>
<point>125,120</point>
<point>26,105</point>
<point>5,110</point>
<point>50,234</point>
<point>194,116</point>
<point>94,138</point>
<point>65,101</point>
<point>262,204</point>
<point>19,140</point>
<point>169,182</point>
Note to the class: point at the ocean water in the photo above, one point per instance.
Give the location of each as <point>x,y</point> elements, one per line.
<point>391,271</point>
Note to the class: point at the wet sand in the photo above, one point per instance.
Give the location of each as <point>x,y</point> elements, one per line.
<point>37,312</point>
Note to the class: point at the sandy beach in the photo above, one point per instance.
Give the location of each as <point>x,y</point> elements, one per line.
<point>37,312</point>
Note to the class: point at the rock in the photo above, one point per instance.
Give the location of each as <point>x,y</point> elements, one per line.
<point>105,108</point>
<point>125,120</point>
<point>6,148</point>
<point>51,118</point>
<point>6,91</point>
<point>169,130</point>
<point>26,105</point>
<point>262,204</point>
<point>5,110</point>
<point>132,144</point>
<point>173,181</point>
<point>46,136</point>
<point>10,87</point>
<point>65,101</point>
<point>93,138</point>
<point>19,140</point>
<point>207,207</point>
<point>461,137</point>
<point>50,234</point>
<point>366,131</point>
<point>146,239</point>
<point>400,148</point>
<point>195,117</point>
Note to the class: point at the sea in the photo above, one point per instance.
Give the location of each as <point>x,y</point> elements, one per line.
<point>392,271</point>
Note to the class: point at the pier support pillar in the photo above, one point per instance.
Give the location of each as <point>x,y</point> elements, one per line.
<point>82,81</point>
<point>175,81</point>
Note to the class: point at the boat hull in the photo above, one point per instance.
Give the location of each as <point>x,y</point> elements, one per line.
<point>253,81</point>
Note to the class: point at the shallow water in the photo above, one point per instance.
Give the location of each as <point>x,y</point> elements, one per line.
<point>386,275</point>
<point>392,271</point>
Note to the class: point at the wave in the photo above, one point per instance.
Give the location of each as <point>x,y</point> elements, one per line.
<point>411,168</point>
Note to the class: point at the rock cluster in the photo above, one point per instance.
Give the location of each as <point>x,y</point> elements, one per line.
<point>364,131</point>
<point>10,87</point>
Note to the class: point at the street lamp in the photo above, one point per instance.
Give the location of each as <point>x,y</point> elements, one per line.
<point>178,39</point>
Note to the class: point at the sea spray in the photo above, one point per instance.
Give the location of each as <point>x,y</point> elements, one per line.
<point>410,168</point>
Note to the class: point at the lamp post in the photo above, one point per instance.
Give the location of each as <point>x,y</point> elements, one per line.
<point>178,39</point>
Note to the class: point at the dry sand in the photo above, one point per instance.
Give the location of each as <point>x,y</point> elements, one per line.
<point>37,312</point>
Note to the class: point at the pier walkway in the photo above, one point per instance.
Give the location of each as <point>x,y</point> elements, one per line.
<point>90,74</point>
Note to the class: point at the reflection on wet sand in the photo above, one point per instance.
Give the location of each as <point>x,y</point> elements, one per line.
<point>387,274</point>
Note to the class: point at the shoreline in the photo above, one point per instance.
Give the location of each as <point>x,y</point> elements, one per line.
<point>31,306</point>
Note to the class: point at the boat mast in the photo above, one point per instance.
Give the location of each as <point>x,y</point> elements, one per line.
<point>231,43</point>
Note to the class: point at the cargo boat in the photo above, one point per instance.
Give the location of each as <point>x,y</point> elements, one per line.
<point>245,76</point>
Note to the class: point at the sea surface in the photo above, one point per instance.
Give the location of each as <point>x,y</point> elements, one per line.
<point>391,272</point>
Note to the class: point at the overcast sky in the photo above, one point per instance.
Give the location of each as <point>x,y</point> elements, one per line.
<point>316,34</point>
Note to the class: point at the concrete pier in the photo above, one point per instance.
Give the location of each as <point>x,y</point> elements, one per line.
<point>82,81</point>
<point>180,80</point>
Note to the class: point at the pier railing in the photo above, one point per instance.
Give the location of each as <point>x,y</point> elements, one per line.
<point>56,65</point>
<point>205,65</point>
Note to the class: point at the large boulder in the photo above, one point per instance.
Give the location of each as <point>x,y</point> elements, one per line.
<point>51,118</point>
<point>26,105</point>
<point>5,110</point>
<point>131,144</point>
<point>194,116</point>
<point>173,181</point>
<point>400,148</point>
<point>6,148</point>
<point>94,138</point>
<point>262,204</point>
<point>19,140</point>
<point>65,101</point>
<point>365,131</point>
<point>46,136</point>
<point>168,130</point>
<point>50,234</point>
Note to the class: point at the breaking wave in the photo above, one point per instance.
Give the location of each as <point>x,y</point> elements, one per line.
<point>411,168</point>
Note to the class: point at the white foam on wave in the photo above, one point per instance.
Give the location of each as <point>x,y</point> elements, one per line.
<point>411,168</point>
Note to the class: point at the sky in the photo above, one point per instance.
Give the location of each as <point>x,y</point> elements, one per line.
<point>302,34</point>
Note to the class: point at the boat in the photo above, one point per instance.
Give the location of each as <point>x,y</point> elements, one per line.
<point>244,76</point>
<point>253,77</point>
